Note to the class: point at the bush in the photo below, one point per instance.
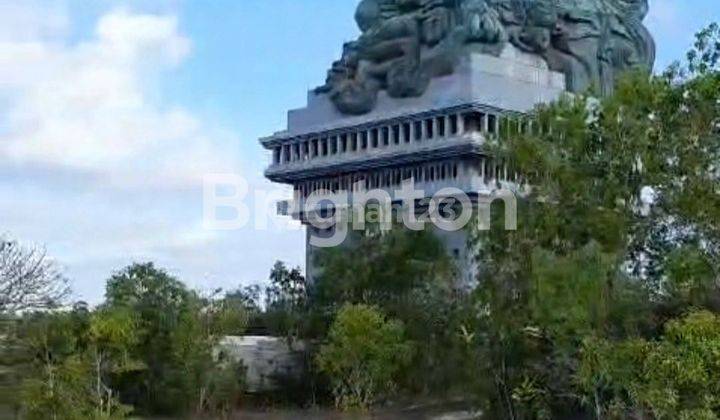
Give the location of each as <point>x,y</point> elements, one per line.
<point>674,377</point>
<point>409,276</point>
<point>364,353</point>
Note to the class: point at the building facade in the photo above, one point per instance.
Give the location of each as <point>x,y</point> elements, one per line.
<point>423,92</point>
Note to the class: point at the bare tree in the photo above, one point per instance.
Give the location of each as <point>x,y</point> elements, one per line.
<point>29,279</point>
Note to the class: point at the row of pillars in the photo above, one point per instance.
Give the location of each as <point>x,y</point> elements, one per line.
<point>487,168</point>
<point>383,178</point>
<point>385,136</point>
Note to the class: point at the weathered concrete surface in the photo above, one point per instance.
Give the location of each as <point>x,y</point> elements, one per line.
<point>513,81</point>
<point>267,359</point>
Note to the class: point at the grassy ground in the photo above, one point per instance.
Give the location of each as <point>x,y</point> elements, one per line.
<point>447,412</point>
<point>332,415</point>
<point>329,415</point>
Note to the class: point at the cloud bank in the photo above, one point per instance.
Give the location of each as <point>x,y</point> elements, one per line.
<point>89,107</point>
<point>94,162</point>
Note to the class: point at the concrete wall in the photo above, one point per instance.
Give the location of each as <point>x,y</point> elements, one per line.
<point>268,360</point>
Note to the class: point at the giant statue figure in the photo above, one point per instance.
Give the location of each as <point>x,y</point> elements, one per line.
<point>406,43</point>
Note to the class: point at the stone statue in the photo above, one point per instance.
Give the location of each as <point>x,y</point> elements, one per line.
<point>406,43</point>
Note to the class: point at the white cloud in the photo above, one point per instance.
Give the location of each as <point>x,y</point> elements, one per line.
<point>136,38</point>
<point>87,106</point>
<point>29,20</point>
<point>98,166</point>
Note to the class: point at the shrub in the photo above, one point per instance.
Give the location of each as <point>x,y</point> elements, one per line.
<point>363,355</point>
<point>672,378</point>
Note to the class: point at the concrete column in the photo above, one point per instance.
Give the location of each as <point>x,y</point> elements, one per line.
<point>436,127</point>
<point>461,124</point>
<point>485,123</point>
<point>412,131</point>
<point>482,170</point>
<point>447,126</point>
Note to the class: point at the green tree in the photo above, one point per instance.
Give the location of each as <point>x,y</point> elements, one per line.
<point>65,375</point>
<point>286,301</point>
<point>618,233</point>
<point>211,386</point>
<point>111,336</point>
<point>55,381</point>
<point>176,334</point>
<point>364,353</point>
<point>385,268</point>
<point>161,303</point>
<point>150,345</point>
<point>409,276</point>
<point>674,377</point>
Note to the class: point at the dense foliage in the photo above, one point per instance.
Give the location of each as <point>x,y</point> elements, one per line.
<point>364,354</point>
<point>618,237</point>
<point>673,377</point>
<point>410,278</point>
<point>604,303</point>
<point>148,349</point>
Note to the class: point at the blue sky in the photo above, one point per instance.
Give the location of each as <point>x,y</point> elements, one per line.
<point>112,111</point>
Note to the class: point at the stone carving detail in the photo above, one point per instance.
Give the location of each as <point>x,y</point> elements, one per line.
<point>406,43</point>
